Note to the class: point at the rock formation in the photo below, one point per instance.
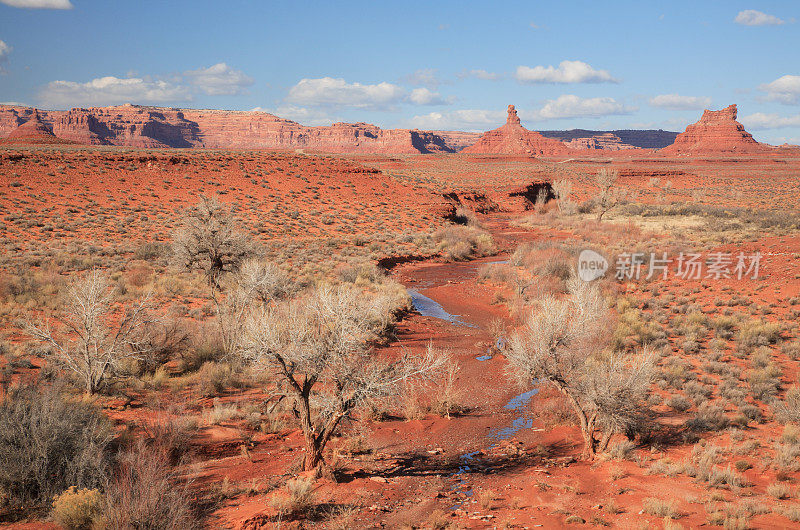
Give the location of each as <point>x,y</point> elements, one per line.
<point>514,139</point>
<point>606,141</point>
<point>717,132</point>
<point>613,140</point>
<point>140,126</point>
<point>32,131</point>
<point>458,140</point>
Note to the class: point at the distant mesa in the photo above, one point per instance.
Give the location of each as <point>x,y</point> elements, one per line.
<point>717,132</point>
<point>514,139</point>
<point>33,131</point>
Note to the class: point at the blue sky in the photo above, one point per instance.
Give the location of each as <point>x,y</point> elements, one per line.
<point>433,65</point>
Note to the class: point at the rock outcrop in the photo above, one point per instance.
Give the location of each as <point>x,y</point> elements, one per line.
<point>32,131</point>
<point>613,140</point>
<point>606,141</point>
<point>140,126</point>
<point>514,139</point>
<point>717,132</point>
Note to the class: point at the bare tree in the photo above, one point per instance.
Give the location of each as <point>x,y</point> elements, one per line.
<point>93,336</point>
<point>255,283</point>
<point>318,350</point>
<point>562,189</point>
<point>609,194</point>
<point>563,345</point>
<point>210,240</point>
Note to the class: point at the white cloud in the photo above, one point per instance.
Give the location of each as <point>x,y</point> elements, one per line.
<point>5,49</point>
<point>677,102</point>
<point>327,91</point>
<point>423,96</point>
<point>751,17</point>
<point>478,74</point>
<point>759,120</point>
<point>428,77</point>
<point>219,79</point>
<point>39,4</point>
<point>468,119</point>
<point>785,89</point>
<point>571,106</point>
<point>111,91</point>
<point>567,72</point>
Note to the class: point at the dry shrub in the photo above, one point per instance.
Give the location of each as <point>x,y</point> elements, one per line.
<point>660,508</point>
<point>147,493</point>
<point>78,509</point>
<point>459,243</point>
<point>49,442</point>
<point>779,490</point>
<point>214,377</point>
<point>436,394</point>
<point>297,500</point>
<point>788,410</point>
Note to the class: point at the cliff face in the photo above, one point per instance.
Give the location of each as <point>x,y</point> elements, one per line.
<point>31,131</point>
<point>613,140</point>
<point>514,139</point>
<point>136,126</point>
<point>607,141</point>
<point>717,131</point>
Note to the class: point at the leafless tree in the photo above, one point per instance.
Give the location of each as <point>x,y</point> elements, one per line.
<point>609,194</point>
<point>93,335</point>
<point>563,344</point>
<point>210,240</point>
<point>255,283</point>
<point>563,189</point>
<point>317,348</point>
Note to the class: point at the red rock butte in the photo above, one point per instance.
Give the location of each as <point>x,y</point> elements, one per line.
<point>33,131</point>
<point>514,139</point>
<point>717,132</point>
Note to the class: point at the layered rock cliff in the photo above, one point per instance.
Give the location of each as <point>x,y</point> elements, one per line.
<point>614,140</point>
<point>514,139</point>
<point>717,132</point>
<point>138,126</point>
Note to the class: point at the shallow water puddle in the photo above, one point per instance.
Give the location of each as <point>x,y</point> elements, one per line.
<point>431,308</point>
<point>521,421</point>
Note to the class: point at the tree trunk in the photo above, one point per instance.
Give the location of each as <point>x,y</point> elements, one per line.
<point>313,458</point>
<point>604,441</point>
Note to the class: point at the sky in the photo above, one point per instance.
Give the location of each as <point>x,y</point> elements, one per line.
<point>451,65</point>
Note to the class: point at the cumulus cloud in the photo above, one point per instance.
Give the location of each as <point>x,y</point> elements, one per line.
<point>327,91</point>
<point>571,106</point>
<point>478,74</point>
<point>39,4</point>
<point>468,120</point>
<point>218,80</point>
<point>111,90</point>
<point>567,72</point>
<point>424,96</point>
<point>751,17</point>
<point>677,102</point>
<point>760,120</point>
<point>785,89</point>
